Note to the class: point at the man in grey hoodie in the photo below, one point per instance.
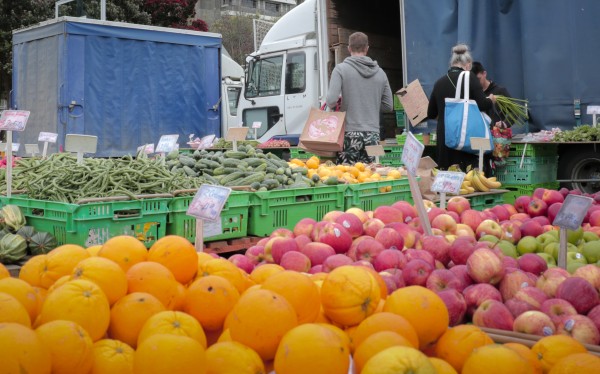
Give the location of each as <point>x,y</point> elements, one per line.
<point>365,92</point>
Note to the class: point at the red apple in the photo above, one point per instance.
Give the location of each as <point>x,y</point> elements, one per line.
<point>531,228</point>
<point>243,262</point>
<point>476,294</point>
<point>461,249</point>
<point>594,315</point>
<point>488,214</point>
<point>532,263</point>
<point>511,231</point>
<point>552,196</point>
<point>304,226</point>
<point>537,207</point>
<point>317,252</point>
<point>332,215</point>
<point>493,314</point>
<point>296,261</point>
<point>434,212</point>
<point>361,214</point>
<point>262,242</point>
<point>372,226</point>
<point>388,214</point>
<point>461,273</point>
<point>590,273</point>
<point>551,279</point>
<point>501,212</point>
<point>520,217</point>
<point>509,262</point>
<point>518,307</point>
<point>396,275</point>
<point>351,223</point>
<point>456,305</point>
<point>412,253</point>
<point>409,235</point>
<point>458,204</point>
<point>438,246</point>
<point>534,322</point>
<point>335,261</point>
<point>415,224</point>
<point>464,230</point>
<point>521,203</point>
<point>286,233</point>
<point>484,266</point>
<point>579,327</point>
<point>408,211</point>
<point>368,249</point>
<point>316,269</point>
<point>532,296</point>
<point>363,263</point>
<point>442,279</point>
<point>445,223</point>
<point>256,254</point>
<point>511,209</point>
<point>389,259</point>
<point>390,238</point>
<point>542,220</point>
<point>416,272</point>
<point>538,193</point>
<point>553,211</point>
<point>317,229</point>
<point>594,218</point>
<point>489,227</point>
<point>336,236</point>
<point>579,292</point>
<point>471,218</point>
<point>302,240</point>
<point>556,309</point>
<point>512,282</point>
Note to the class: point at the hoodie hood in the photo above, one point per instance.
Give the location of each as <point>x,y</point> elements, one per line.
<point>363,64</point>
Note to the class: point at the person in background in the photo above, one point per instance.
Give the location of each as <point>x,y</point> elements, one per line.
<point>490,88</point>
<point>445,87</point>
<point>365,92</point>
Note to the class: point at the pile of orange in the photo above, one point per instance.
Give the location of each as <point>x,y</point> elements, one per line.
<point>124,309</point>
<point>357,173</point>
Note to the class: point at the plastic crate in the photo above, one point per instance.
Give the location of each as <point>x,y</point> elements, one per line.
<point>526,189</point>
<point>270,210</point>
<point>300,153</point>
<point>234,218</point>
<point>401,139</point>
<point>400,119</point>
<point>533,171</point>
<point>94,223</point>
<point>397,103</point>
<point>370,195</point>
<point>486,200</point>
<point>533,149</point>
<point>393,155</point>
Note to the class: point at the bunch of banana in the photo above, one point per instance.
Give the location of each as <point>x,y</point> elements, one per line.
<point>480,183</point>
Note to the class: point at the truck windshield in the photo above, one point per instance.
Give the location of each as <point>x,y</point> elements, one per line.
<point>264,77</point>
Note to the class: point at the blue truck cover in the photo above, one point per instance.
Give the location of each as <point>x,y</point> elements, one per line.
<point>546,51</point>
<point>127,84</point>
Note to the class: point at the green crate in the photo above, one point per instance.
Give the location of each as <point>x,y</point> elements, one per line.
<point>534,170</point>
<point>401,139</point>
<point>393,155</point>
<point>397,103</point>
<point>485,200</point>
<point>300,153</point>
<point>370,195</point>
<point>526,189</point>
<point>94,223</point>
<point>270,210</point>
<point>400,119</point>
<point>234,218</point>
<point>533,149</point>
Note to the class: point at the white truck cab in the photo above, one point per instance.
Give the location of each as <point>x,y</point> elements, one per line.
<point>232,82</point>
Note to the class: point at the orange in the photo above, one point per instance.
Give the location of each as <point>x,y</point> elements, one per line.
<point>385,321</point>
<point>106,274</point>
<point>167,353</point>
<point>349,295</point>
<point>155,279</point>
<point>313,162</point>
<point>69,344</point>
<point>177,254</point>
<point>80,301</point>
<point>40,295</point>
<point>382,287</point>
<point>125,250</point>
<point>23,292</point>
<point>376,343</point>
<point>11,310</point>
<point>112,357</point>
<point>225,269</point>
<point>527,354</point>
<point>496,359</point>
<point>210,299</point>
<point>299,291</point>
<point>93,250</point>
<point>170,322</point>
<point>60,262</point>
<point>262,272</point>
<point>179,298</point>
<point>62,280</point>
<point>4,273</point>
<point>423,309</point>
<point>22,351</point>
<point>233,357</point>
<point>260,319</point>
<point>550,349</point>
<point>225,336</point>
<point>441,366</point>
<point>344,335</point>
<point>457,343</point>
<point>580,363</point>
<point>128,315</point>
<point>203,257</point>
<point>399,359</point>
<point>32,270</point>
<point>311,348</point>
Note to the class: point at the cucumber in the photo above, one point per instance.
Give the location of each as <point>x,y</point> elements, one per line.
<point>235,154</point>
<point>230,177</point>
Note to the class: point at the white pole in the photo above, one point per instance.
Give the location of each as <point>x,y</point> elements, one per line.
<point>103,10</point>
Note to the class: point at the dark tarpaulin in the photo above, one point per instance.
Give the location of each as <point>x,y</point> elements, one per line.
<point>545,51</point>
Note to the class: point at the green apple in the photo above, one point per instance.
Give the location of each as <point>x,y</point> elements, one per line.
<point>544,239</point>
<point>589,236</point>
<point>489,238</point>
<point>574,236</point>
<point>507,248</point>
<point>548,258</point>
<point>573,248</point>
<point>554,233</point>
<point>572,266</point>
<point>576,257</point>
<point>527,244</point>
<point>591,251</point>
<point>552,249</point>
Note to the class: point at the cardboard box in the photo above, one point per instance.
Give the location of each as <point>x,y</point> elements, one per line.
<point>327,154</point>
<point>324,131</point>
<point>414,101</point>
<point>426,177</point>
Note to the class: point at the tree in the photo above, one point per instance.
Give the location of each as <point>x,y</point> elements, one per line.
<point>174,13</point>
<point>237,35</point>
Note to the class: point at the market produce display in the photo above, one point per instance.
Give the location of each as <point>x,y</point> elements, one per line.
<point>476,181</point>
<point>583,133</point>
<point>274,143</point>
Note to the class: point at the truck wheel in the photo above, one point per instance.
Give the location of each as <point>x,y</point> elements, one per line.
<point>580,166</point>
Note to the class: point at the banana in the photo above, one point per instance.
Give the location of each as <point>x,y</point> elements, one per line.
<point>464,191</point>
<point>469,176</point>
<point>471,189</point>
<point>489,183</point>
<point>466,184</point>
<point>478,183</point>
<point>492,179</point>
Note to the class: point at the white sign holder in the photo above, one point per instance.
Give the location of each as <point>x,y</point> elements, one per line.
<point>594,110</point>
<point>32,149</point>
<point>236,134</point>
<point>47,137</point>
<point>81,144</point>
<point>447,182</point>
<point>207,205</point>
<point>481,144</point>
<point>146,148</point>
<point>12,120</point>
<point>411,156</point>
<point>569,217</point>
<point>375,151</point>
<point>256,125</point>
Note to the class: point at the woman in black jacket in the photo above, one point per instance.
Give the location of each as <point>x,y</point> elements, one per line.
<point>445,87</point>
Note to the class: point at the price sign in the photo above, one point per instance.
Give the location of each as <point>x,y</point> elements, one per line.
<point>49,137</point>
<point>212,228</point>
<point>375,151</point>
<point>593,109</point>
<point>32,149</point>
<point>411,154</point>
<point>81,144</point>
<point>15,147</point>
<point>481,144</point>
<point>208,202</point>
<point>448,182</point>
<point>14,120</point>
<point>236,134</point>
<point>256,124</point>
<point>167,143</point>
<point>571,213</point>
<point>146,148</point>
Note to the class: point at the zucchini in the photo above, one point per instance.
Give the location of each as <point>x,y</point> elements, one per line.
<point>255,161</point>
<point>187,161</point>
<point>189,171</point>
<point>261,167</point>
<point>235,154</point>
<point>209,163</point>
<point>232,163</point>
<point>172,155</point>
<point>246,181</point>
<point>230,177</point>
